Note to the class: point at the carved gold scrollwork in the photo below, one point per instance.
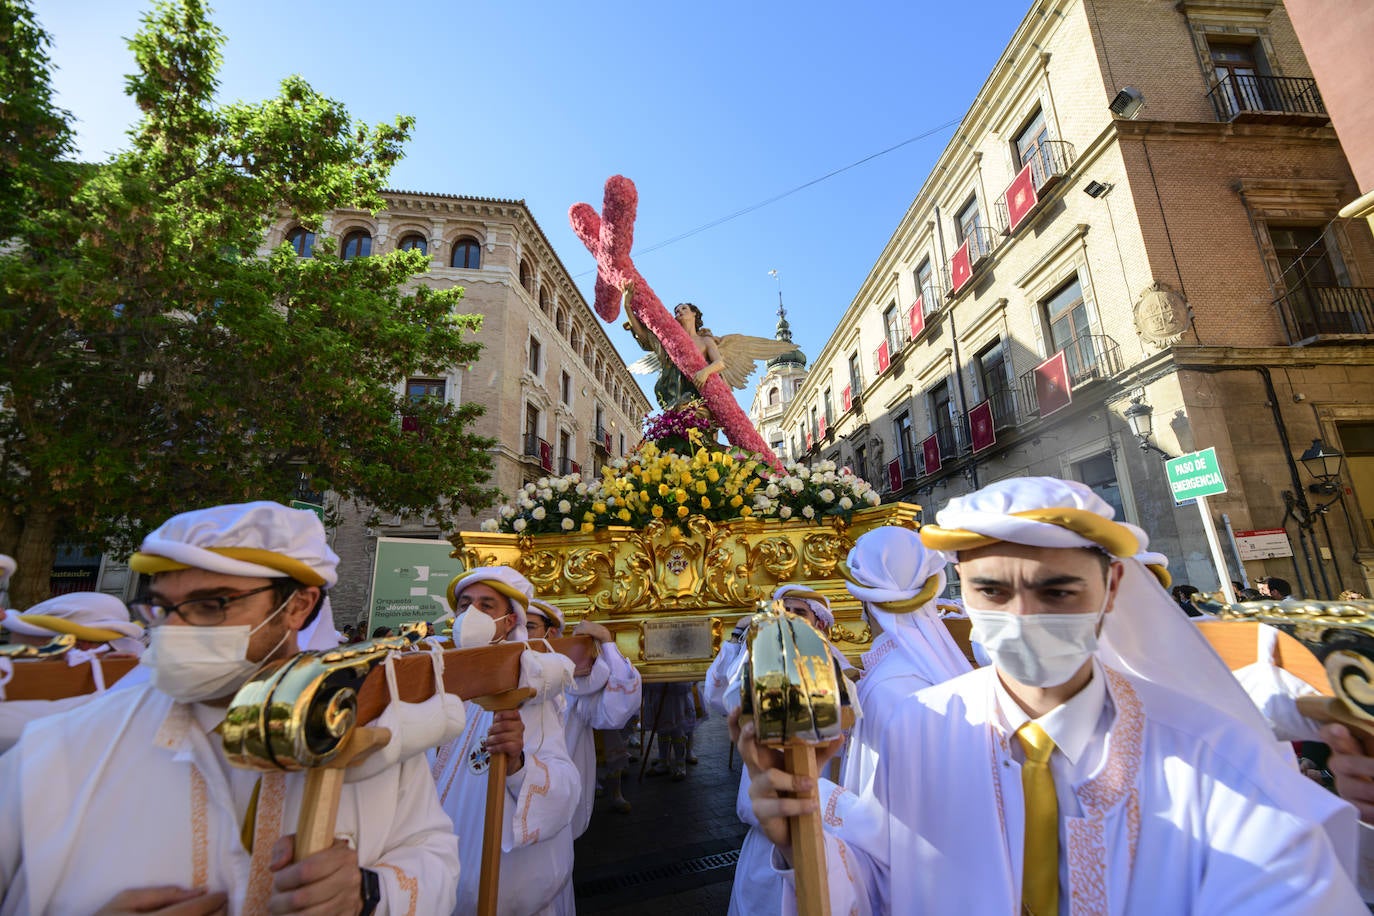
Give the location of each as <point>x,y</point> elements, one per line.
<point>841,633</point>
<point>821,552</point>
<point>777,556</point>
<point>582,568</point>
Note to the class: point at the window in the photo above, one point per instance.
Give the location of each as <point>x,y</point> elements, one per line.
<point>861,461</point>
<point>815,423</point>
<point>1067,314</point>
<point>993,380</point>
<point>906,448</point>
<point>925,287</point>
<point>545,300</point>
<point>302,240</point>
<point>892,329</point>
<point>796,385</point>
<point>1238,67</point>
<point>414,241</point>
<point>357,244</point>
<point>419,388</point>
<point>532,430</point>
<point>773,396</point>
<point>1031,148</point>
<point>968,221</point>
<point>828,405</point>
<point>565,388</point>
<point>535,348</point>
<point>622,444</point>
<point>942,420</point>
<point>564,452</point>
<point>526,277</point>
<point>560,322</point>
<point>466,254</point>
<point>600,424</point>
<point>855,379</point>
<point>1099,473</point>
<point>1302,256</point>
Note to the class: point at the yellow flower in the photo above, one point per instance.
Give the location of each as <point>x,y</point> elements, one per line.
<point>701,486</point>
<point>726,459</point>
<point>736,501</point>
<point>705,502</point>
<point>588,517</point>
<point>683,511</point>
<point>657,511</point>
<point>623,515</point>
<point>588,527</point>
<point>713,475</point>
<point>680,496</point>
<point>599,508</point>
<point>643,496</point>
<point>663,489</point>
<point>746,512</point>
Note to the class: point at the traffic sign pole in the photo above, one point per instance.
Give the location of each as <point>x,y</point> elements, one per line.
<point>1223,574</point>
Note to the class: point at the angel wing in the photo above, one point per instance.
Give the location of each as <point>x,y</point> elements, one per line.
<point>740,351</point>
<point>648,364</point>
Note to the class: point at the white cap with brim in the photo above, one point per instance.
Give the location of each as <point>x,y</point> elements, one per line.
<point>91,616</point>
<point>819,604</point>
<point>255,540</point>
<point>504,580</point>
<point>549,611</point>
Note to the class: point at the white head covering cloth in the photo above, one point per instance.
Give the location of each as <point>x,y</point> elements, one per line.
<point>891,564</point>
<point>508,578</point>
<point>820,608</point>
<point>1144,635</point>
<point>551,611</point>
<point>202,539</point>
<point>85,609</point>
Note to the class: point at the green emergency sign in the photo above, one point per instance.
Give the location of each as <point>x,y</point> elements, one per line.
<point>1195,474</point>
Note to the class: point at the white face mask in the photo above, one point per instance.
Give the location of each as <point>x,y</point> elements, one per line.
<point>193,664</point>
<point>474,628</point>
<point>1038,650</point>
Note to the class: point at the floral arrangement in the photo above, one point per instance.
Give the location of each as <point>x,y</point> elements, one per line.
<point>677,425</point>
<point>609,236</point>
<point>720,485</point>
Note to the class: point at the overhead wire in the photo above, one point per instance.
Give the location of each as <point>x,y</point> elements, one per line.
<point>788,193</point>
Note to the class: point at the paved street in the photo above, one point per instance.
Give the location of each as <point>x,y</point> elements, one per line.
<point>674,853</point>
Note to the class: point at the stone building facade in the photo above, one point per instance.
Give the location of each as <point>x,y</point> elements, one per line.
<point>558,398</point>
<point>1136,219</point>
<point>782,379</point>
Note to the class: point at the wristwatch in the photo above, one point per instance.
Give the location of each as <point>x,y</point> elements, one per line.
<point>371,891</point>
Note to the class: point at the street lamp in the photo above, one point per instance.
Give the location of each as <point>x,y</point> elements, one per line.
<point>1323,463</point>
<point>1140,416</point>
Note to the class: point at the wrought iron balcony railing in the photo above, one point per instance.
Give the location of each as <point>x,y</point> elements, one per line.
<point>1310,312</point>
<point>1087,358</point>
<point>1239,95</point>
<point>1049,161</point>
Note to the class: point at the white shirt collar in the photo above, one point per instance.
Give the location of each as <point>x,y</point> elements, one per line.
<point>1071,724</point>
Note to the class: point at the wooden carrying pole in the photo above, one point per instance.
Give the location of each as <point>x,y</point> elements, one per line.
<point>323,787</point>
<point>489,883</point>
<point>808,841</point>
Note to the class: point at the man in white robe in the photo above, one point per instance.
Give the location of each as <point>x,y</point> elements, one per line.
<point>758,889</point>
<point>542,784</point>
<point>1160,801</point>
<point>606,696</point>
<point>100,624</point>
<point>129,804</point>
<point>899,582</point>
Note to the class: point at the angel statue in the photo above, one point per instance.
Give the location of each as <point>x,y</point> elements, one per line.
<point>732,356</point>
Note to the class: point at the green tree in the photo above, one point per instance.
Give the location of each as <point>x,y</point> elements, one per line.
<point>154,362</point>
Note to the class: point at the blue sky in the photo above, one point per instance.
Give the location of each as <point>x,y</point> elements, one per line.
<point>709,107</point>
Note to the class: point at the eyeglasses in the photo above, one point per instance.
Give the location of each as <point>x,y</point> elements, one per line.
<point>198,612</point>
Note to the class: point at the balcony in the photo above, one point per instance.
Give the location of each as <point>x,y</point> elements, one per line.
<point>906,459</point>
<point>945,436</point>
<point>567,466</point>
<point>540,450</point>
<point>976,248</point>
<point>1281,99</point>
<point>1087,358</point>
<point>1048,162</point>
<point>1313,313</point>
<point>1002,398</point>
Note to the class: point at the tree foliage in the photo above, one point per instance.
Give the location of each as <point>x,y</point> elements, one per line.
<point>154,361</point>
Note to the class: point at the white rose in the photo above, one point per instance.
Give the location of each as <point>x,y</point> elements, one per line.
<point>489,525</point>
<point>542,483</point>
<point>568,524</point>
<point>581,489</point>
<point>803,472</point>
<point>846,503</point>
<point>828,496</point>
<point>873,498</point>
<point>785,512</point>
<point>808,512</point>
<point>771,491</point>
<point>562,484</point>
<point>519,525</point>
<point>795,485</point>
<point>564,506</point>
<point>507,511</point>
<point>538,513</point>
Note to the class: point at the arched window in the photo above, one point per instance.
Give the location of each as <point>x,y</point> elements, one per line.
<point>526,276</point>
<point>772,396</point>
<point>414,241</point>
<point>545,300</point>
<point>575,337</point>
<point>357,244</point>
<point>466,253</point>
<point>302,240</point>
<point>561,322</point>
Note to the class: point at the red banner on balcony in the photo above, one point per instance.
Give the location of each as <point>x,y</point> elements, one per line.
<point>916,318</point>
<point>884,358</point>
<point>1021,198</point>
<point>930,451</point>
<point>981,428</point>
<point>608,443</point>
<point>821,423</point>
<point>960,268</point>
<point>1052,389</point>
<point>545,455</point>
<point>576,468</point>
<point>847,398</point>
<point>894,474</point>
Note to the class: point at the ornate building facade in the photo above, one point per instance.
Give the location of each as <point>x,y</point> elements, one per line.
<point>558,398</point>
<point>1132,246</point>
<point>781,381</point>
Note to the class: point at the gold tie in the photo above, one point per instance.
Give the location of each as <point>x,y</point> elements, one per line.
<point>1040,863</point>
